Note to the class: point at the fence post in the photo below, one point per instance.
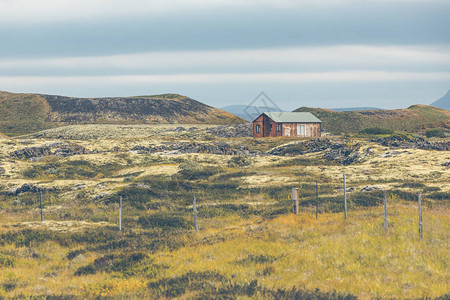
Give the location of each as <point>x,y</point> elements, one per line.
<point>295,200</point>
<point>40,200</point>
<point>195,215</point>
<point>317,200</point>
<point>385,212</point>
<point>345,199</point>
<point>420,217</point>
<point>120,213</point>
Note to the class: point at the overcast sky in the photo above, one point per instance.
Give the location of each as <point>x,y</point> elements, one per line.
<point>327,53</point>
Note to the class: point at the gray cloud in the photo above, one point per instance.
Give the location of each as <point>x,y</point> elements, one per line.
<point>320,53</point>
<point>360,22</point>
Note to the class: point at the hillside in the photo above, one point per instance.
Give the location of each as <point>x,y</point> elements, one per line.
<point>355,108</point>
<point>27,113</point>
<point>444,102</point>
<point>23,113</point>
<point>248,112</point>
<point>416,118</point>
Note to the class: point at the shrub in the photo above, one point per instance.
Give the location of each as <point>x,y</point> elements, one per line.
<point>239,161</point>
<point>126,264</point>
<point>191,281</point>
<point>436,132</point>
<point>6,260</point>
<point>376,131</point>
<point>193,170</point>
<point>165,220</point>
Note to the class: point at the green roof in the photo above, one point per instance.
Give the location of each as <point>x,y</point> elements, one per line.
<point>293,117</point>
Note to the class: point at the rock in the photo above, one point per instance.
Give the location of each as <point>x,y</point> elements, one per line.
<point>26,187</point>
<point>389,154</point>
<point>446,164</point>
<point>69,150</point>
<point>141,185</point>
<point>232,131</point>
<point>61,149</point>
<point>101,185</point>
<point>100,196</point>
<point>369,188</point>
<point>31,152</point>
<point>79,187</point>
<point>220,148</point>
<point>397,141</point>
<point>12,191</point>
<point>303,147</point>
<point>2,171</point>
<point>394,153</point>
<point>179,129</point>
<point>79,258</point>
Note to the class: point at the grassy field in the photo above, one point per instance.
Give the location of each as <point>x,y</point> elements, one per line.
<point>249,244</point>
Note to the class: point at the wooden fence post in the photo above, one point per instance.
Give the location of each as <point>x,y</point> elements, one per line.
<point>295,200</point>
<point>120,213</point>
<point>420,217</point>
<point>317,200</point>
<point>345,199</point>
<point>40,200</point>
<point>385,212</point>
<point>195,215</point>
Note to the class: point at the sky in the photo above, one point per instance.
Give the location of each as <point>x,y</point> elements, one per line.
<point>327,53</point>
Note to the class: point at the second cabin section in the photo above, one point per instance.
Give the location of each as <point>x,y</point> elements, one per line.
<point>288,124</point>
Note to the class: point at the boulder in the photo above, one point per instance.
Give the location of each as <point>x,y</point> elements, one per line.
<point>369,188</point>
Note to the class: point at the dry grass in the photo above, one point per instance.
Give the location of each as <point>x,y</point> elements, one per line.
<point>245,233</point>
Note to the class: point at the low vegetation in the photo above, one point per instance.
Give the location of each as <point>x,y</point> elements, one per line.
<point>416,118</point>
<point>436,132</point>
<point>249,244</point>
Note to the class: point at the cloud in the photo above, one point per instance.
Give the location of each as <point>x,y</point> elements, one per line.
<point>345,57</point>
<point>50,11</point>
<point>341,76</point>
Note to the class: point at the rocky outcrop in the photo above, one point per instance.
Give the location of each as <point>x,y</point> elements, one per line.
<point>59,149</point>
<point>27,187</point>
<point>300,148</point>
<point>232,131</point>
<point>342,153</point>
<point>30,152</point>
<point>220,148</point>
<point>395,141</point>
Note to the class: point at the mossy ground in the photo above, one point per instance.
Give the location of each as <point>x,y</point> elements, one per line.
<point>249,245</point>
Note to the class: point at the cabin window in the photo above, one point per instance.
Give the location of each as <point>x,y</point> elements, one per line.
<point>301,130</point>
<point>278,127</point>
<point>258,128</point>
<point>270,127</point>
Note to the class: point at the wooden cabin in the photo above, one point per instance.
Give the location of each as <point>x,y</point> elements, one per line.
<point>290,124</point>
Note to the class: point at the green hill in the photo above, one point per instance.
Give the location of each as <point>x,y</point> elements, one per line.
<point>416,118</point>
<point>23,113</point>
<point>28,113</point>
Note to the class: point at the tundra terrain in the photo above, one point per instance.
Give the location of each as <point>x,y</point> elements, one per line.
<point>249,244</point>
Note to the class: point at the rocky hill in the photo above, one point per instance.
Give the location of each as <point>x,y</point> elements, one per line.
<point>27,113</point>
<point>416,118</point>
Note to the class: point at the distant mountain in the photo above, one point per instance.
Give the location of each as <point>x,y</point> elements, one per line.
<point>444,102</point>
<point>355,108</point>
<point>416,118</point>
<point>248,112</point>
<point>27,113</point>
